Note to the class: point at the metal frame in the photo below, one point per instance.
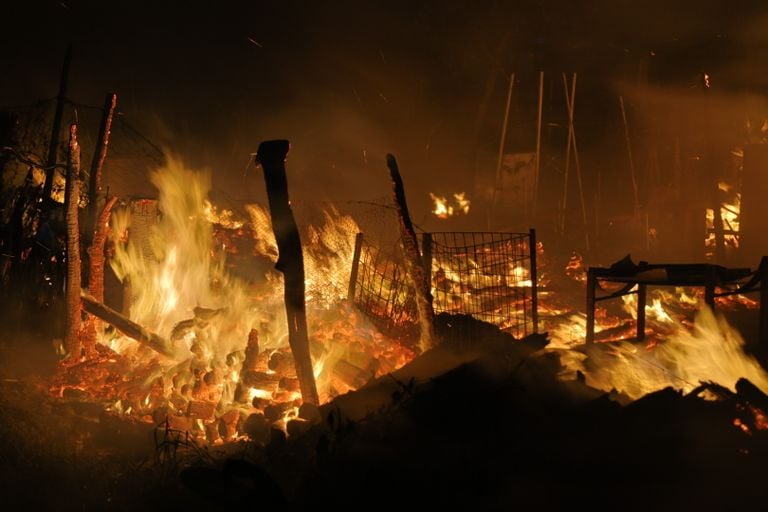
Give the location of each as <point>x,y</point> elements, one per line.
<point>709,280</point>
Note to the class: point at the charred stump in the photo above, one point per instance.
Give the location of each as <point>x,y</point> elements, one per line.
<point>413,261</point>
<point>271,156</point>
<point>71,198</point>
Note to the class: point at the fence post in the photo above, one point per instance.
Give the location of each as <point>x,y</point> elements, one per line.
<point>355,267</point>
<point>534,281</point>
<point>426,255</point>
<point>591,284</point>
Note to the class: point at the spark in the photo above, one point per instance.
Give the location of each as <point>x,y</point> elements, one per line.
<point>252,40</point>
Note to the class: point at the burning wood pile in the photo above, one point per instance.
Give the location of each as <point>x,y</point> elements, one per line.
<point>202,353</point>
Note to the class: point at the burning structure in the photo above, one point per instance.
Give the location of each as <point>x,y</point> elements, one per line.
<point>273,352</point>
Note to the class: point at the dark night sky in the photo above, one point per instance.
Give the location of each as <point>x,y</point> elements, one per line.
<point>347,81</point>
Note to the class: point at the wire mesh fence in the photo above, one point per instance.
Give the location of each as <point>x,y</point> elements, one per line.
<point>490,276</point>
<point>380,289</point>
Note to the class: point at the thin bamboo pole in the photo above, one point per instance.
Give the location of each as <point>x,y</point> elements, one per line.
<point>564,202</point>
<point>571,103</point>
<point>631,159</point>
<point>538,144</point>
<point>498,180</point>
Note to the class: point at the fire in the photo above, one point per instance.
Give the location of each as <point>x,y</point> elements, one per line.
<point>444,208</point>
<point>729,215</point>
<point>711,351</point>
<point>179,257</point>
<point>176,257</point>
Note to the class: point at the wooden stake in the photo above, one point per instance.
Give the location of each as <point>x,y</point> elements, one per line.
<point>72,285</point>
<point>413,261</point>
<point>271,155</point>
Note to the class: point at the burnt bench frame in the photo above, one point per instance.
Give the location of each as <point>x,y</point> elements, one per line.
<point>708,276</point>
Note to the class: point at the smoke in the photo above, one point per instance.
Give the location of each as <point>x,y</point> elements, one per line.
<point>348,83</point>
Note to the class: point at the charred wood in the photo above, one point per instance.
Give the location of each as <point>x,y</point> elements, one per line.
<point>413,261</point>
<point>271,155</point>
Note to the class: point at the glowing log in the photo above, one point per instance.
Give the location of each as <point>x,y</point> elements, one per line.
<point>199,409</point>
<point>261,380</point>
<point>251,360</point>
<point>125,325</point>
<point>271,156</point>
<point>96,271</point>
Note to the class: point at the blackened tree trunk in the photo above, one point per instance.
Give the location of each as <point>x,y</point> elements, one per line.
<point>72,296</point>
<point>413,261</point>
<point>271,155</point>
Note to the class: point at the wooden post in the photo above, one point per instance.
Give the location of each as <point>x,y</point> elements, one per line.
<point>534,281</point>
<point>53,148</point>
<point>426,255</point>
<point>96,271</point>
<point>72,285</point>
<point>355,267</point>
<point>413,261</point>
<point>498,180</point>
<point>95,201</point>
<point>271,156</point>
